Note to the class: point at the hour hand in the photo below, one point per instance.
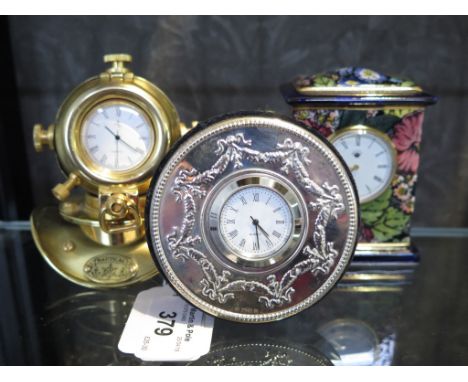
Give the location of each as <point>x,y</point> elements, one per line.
<point>255,223</point>
<point>110,131</point>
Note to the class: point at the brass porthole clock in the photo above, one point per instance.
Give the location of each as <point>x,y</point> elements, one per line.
<point>251,217</point>
<point>375,122</point>
<point>110,134</point>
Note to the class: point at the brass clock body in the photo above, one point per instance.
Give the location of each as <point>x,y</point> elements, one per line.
<point>117,87</point>
<point>110,134</point>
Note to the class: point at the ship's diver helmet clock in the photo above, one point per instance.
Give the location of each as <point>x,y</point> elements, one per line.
<point>110,134</point>
<point>375,122</point>
<point>251,217</point>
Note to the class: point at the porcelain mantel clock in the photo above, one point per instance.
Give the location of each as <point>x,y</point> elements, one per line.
<point>375,122</point>
<point>110,134</point>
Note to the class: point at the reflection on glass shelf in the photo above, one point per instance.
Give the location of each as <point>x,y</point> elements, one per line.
<point>401,314</point>
<point>351,326</point>
<point>357,344</point>
<point>265,353</point>
<point>84,328</point>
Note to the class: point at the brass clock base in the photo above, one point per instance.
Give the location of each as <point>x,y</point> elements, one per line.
<point>73,255</point>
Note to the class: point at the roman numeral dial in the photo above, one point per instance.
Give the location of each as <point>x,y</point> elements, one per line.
<point>370,155</point>
<point>117,135</point>
<point>255,222</point>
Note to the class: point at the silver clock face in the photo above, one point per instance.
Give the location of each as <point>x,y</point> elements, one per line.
<point>117,136</point>
<point>370,156</point>
<point>255,222</point>
<point>255,219</point>
<point>252,218</point>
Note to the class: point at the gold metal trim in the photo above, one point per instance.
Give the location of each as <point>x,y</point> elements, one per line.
<point>67,250</point>
<point>410,108</point>
<point>383,247</point>
<point>360,90</point>
<point>368,289</point>
<point>372,277</point>
<point>119,87</point>
<point>363,129</point>
<point>90,165</point>
<point>85,213</point>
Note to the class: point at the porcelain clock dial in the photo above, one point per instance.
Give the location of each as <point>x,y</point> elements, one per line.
<point>255,222</point>
<point>117,136</point>
<point>370,155</point>
<point>255,219</point>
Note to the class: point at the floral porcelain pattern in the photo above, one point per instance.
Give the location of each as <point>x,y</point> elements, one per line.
<point>387,218</point>
<point>350,76</point>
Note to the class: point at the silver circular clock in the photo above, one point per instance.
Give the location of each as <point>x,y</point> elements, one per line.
<point>371,157</point>
<point>254,219</point>
<point>251,217</point>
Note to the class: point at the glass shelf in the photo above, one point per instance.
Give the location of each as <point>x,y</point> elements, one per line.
<point>410,314</point>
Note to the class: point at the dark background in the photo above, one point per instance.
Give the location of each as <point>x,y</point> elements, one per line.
<point>212,65</point>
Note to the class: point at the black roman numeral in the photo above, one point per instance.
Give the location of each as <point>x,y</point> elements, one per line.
<point>233,234</point>
<point>277,234</point>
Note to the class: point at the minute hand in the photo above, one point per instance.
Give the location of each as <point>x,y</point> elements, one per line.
<point>133,148</point>
<point>263,231</point>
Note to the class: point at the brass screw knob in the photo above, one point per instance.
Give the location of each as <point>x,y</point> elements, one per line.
<point>43,137</point>
<point>118,61</point>
<point>62,190</point>
<point>116,205</point>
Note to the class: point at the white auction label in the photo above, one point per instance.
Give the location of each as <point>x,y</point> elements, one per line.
<point>164,327</point>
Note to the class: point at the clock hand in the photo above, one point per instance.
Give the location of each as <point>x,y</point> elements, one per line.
<point>256,234</point>
<point>116,162</point>
<point>110,131</point>
<point>354,167</point>
<point>267,236</point>
<point>263,231</point>
<point>119,138</point>
<point>255,223</point>
<point>133,148</point>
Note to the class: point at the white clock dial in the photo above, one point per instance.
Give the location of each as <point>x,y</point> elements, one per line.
<point>255,222</point>
<point>117,136</point>
<point>371,158</point>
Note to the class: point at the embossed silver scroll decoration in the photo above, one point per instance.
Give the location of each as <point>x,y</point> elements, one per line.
<point>190,178</point>
<point>291,156</point>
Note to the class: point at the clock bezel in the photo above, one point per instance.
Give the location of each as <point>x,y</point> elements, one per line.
<point>236,182</point>
<point>363,130</point>
<point>92,165</point>
<point>136,91</point>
